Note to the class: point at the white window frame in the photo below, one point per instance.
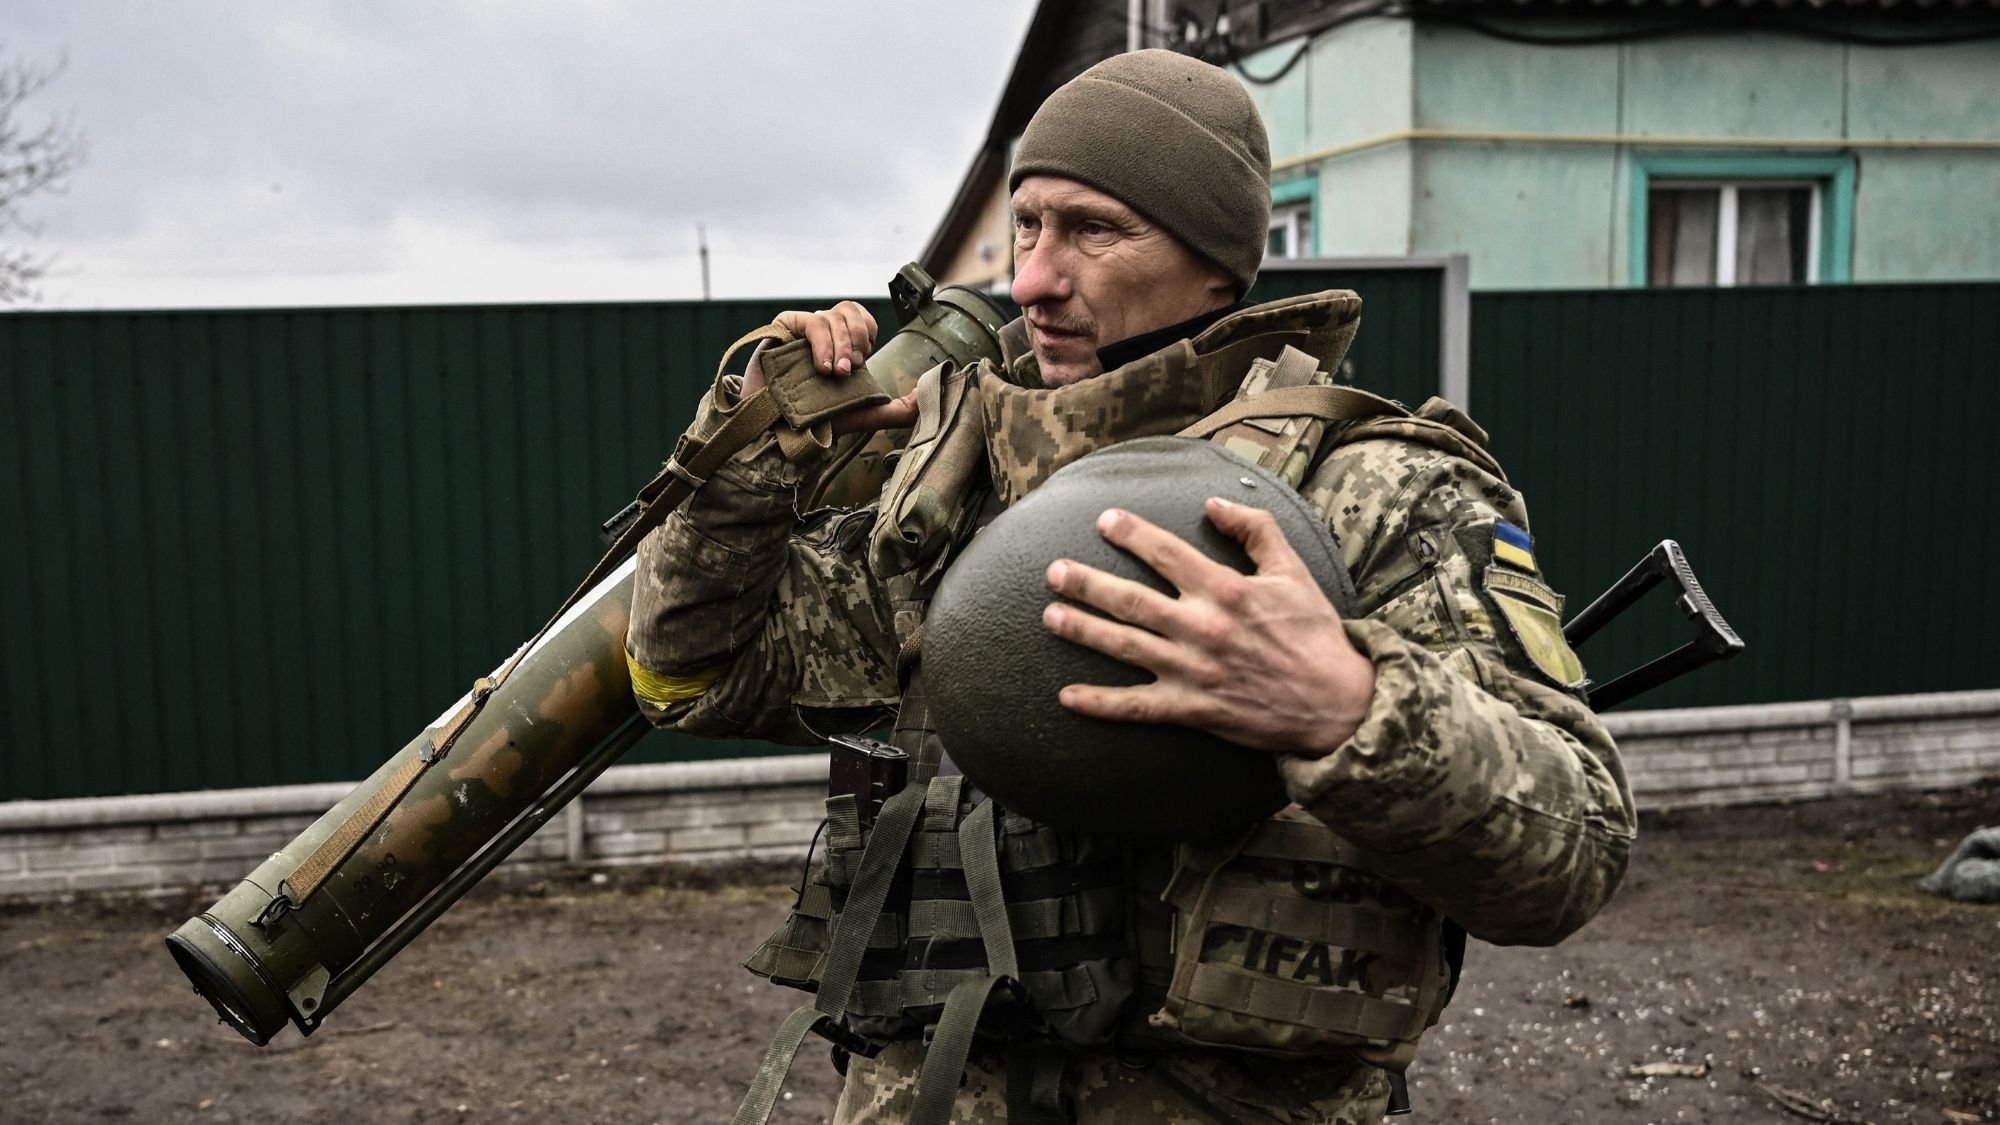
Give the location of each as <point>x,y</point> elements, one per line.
<point>1285,217</point>
<point>1725,218</point>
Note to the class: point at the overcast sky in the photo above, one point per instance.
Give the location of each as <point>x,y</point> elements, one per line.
<point>250,153</point>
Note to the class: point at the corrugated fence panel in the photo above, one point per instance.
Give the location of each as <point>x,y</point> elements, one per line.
<point>263,547</point>
<point>247,548</point>
<point>1823,454</point>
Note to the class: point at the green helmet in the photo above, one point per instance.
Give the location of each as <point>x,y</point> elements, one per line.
<point>992,671</point>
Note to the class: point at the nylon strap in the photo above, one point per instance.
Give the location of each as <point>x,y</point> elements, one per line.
<point>951,1045</point>
<point>1034,1086</point>
<point>866,897</point>
<point>870,891</point>
<point>334,850</point>
<point>1230,989</point>
<point>944,1061</point>
<point>1334,404</point>
<point>1025,920</point>
<point>979,852</point>
<point>770,1081</point>
<point>693,462</point>
<point>1293,369</point>
<point>767,332</point>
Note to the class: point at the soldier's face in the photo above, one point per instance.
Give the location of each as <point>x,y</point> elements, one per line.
<point>1090,271</point>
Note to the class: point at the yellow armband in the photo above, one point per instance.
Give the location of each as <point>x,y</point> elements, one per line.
<point>656,690</point>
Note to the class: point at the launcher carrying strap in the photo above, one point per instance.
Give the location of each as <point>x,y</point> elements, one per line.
<point>797,402</point>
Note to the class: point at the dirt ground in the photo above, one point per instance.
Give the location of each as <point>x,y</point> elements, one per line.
<point>1783,950</point>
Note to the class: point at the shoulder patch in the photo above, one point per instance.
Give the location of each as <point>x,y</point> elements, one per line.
<point>1533,613</point>
<point>1513,546</point>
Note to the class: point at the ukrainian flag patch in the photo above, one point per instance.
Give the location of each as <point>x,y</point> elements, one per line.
<point>1513,546</point>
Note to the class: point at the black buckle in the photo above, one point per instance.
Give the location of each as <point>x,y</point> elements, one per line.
<point>844,1039</point>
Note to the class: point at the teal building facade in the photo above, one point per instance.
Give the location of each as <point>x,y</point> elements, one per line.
<point>1732,155</point>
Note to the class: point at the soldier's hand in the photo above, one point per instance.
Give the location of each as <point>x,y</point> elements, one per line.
<point>1259,659</point>
<point>841,338</point>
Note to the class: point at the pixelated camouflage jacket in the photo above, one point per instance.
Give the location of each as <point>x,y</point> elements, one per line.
<point>1477,781</point>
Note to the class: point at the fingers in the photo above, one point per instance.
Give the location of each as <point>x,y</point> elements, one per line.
<point>1114,639</point>
<point>1168,554</point>
<point>860,327</point>
<point>840,337</point>
<point>898,415</point>
<point>842,346</point>
<point>1260,535</point>
<point>817,332</point>
<point>1122,598</point>
<point>1146,703</point>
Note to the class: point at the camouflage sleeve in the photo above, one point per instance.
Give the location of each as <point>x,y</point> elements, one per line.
<point>1479,781</point>
<point>748,622</point>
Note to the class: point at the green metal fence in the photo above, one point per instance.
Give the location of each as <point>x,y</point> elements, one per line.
<point>245,548</point>
<point>1823,454</point>
<point>252,548</point>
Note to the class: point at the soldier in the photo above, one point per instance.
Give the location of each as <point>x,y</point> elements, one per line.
<point>1438,732</point>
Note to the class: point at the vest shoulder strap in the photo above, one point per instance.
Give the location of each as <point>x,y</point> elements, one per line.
<point>1437,424</point>
<point>1293,394</point>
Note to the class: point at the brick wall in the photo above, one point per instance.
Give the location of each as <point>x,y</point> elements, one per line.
<point>769,807</point>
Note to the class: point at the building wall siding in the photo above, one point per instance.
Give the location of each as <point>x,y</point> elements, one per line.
<point>1929,216</point>
<point>1559,215</point>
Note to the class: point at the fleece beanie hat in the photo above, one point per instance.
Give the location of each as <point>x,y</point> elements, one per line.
<point>1171,137</point>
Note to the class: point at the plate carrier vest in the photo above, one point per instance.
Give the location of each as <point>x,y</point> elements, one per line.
<point>947,918</point>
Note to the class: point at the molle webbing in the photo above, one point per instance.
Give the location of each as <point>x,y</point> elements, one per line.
<point>1062,911</point>
<point>928,919</point>
<point>836,973</point>
<point>1286,944</point>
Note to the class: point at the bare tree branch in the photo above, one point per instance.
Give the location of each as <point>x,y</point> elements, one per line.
<point>36,158</point>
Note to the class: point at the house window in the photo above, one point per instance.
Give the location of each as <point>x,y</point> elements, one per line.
<point>1292,205</point>
<point>1291,231</point>
<point>1730,219</point>
<point>1753,232</point>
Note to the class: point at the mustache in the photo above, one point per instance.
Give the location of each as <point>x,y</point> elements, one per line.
<point>1079,325</point>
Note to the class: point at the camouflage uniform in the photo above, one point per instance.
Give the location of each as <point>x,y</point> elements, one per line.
<point>1478,782</point>
<point>1101,1089</point>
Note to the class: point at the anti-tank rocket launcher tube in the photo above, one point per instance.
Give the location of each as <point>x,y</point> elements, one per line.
<point>317,919</point>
